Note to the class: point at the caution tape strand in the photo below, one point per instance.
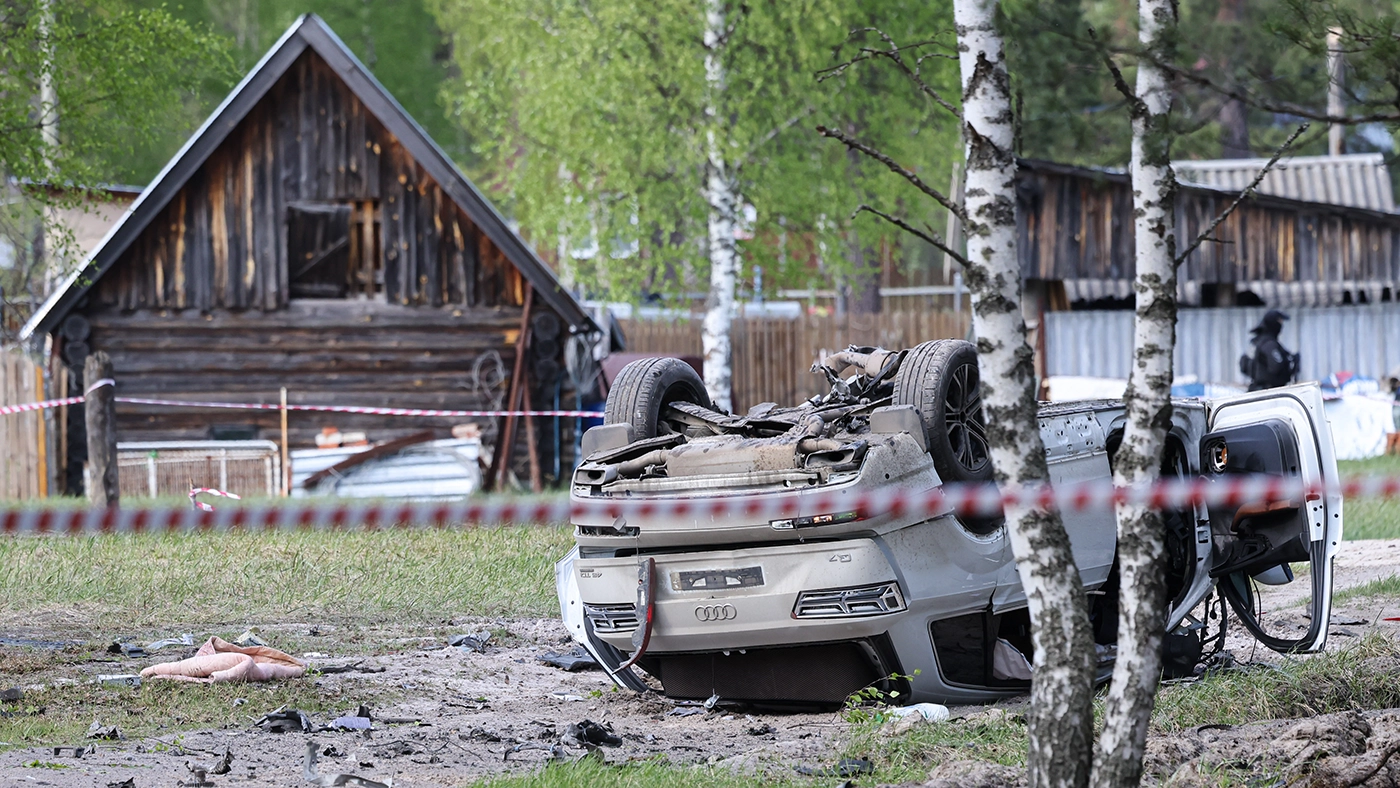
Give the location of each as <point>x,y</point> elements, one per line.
<point>781,510</point>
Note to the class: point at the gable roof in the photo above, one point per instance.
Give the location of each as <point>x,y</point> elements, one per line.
<point>308,32</point>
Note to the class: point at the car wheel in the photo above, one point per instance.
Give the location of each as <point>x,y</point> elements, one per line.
<point>941,380</point>
<point>644,387</point>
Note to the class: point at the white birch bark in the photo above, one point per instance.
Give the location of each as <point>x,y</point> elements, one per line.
<point>722,197</point>
<point>1061,719</point>
<point>1142,587</point>
<point>48,132</point>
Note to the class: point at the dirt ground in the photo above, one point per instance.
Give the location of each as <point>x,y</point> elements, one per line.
<point>455,715</point>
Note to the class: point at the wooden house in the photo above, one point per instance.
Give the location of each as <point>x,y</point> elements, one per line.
<point>309,236</point>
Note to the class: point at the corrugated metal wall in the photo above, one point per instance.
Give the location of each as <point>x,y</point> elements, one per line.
<point>1209,342</point>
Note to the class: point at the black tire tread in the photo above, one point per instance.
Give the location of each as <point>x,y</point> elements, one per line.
<point>919,382</point>
<point>634,393</point>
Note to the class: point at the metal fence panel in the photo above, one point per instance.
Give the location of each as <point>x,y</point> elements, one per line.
<point>1209,342</point>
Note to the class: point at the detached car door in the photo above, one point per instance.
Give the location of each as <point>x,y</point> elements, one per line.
<point>1268,555</point>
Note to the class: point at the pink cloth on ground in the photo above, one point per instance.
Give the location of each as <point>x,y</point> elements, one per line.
<point>219,661</point>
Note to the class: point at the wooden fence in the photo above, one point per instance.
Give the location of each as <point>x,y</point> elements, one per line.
<point>23,466</point>
<point>773,356</point>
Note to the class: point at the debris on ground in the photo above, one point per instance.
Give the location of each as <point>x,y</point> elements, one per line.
<point>119,679</point>
<point>846,767</point>
<point>99,731</point>
<point>283,719</point>
<point>249,638</point>
<point>186,639</point>
<point>588,733</point>
<point>12,695</point>
<point>219,661</point>
<point>129,782</point>
<point>475,641</point>
<point>761,730</point>
<point>335,780</point>
<point>351,667</point>
<point>359,721</point>
<point>131,650</point>
<point>199,776</point>
<point>76,752</point>
<point>578,659</point>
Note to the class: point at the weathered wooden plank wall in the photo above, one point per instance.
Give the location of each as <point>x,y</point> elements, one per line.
<point>222,241</point>
<point>23,470</point>
<point>1078,225</point>
<point>773,357</point>
<point>324,352</point>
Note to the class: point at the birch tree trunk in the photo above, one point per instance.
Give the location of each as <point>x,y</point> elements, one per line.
<point>1061,718</point>
<point>1142,594</point>
<point>721,195</point>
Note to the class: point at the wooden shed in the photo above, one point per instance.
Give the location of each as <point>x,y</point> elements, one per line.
<point>308,236</point>
<point>1076,232</point>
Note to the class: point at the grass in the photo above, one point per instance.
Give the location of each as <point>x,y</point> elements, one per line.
<point>124,582</point>
<point>1385,586</point>
<point>1360,676</point>
<point>1371,518</point>
<point>160,708</point>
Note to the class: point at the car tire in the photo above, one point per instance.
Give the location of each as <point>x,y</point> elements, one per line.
<point>647,385</point>
<point>941,380</point>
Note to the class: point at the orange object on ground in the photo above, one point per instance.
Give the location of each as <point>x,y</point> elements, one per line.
<point>219,661</point>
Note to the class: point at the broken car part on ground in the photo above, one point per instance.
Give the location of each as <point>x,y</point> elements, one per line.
<point>810,609</point>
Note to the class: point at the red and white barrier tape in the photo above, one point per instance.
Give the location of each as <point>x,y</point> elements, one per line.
<point>316,514</point>
<point>173,403</point>
<point>201,505</point>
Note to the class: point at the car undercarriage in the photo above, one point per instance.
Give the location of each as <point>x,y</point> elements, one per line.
<point>806,609</point>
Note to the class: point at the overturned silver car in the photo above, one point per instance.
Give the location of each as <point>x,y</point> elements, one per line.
<point>805,610</point>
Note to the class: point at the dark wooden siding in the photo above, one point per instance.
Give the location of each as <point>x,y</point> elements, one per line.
<point>1079,225</point>
<point>323,352</point>
<point>221,242</point>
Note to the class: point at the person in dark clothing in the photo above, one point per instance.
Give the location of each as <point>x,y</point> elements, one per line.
<point>1271,365</point>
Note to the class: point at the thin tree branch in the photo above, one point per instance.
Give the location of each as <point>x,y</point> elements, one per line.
<point>1136,107</point>
<point>931,237</point>
<point>896,168</point>
<point>1283,107</point>
<point>895,55</point>
<point>1248,190</point>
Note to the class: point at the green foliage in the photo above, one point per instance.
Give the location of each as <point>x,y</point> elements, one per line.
<point>118,73</point>
<point>591,119</point>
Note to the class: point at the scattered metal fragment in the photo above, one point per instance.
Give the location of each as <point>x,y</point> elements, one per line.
<point>473,642</point>
<point>199,774</point>
<point>129,782</point>
<point>99,731</point>
<point>248,638</point>
<point>351,667</point>
<point>283,719</point>
<point>711,701</point>
<point>186,639</point>
<point>76,752</point>
<point>588,733</point>
<point>127,649</point>
<point>12,694</point>
<point>578,659</point>
<point>685,711</point>
<point>119,679</point>
<point>335,780</point>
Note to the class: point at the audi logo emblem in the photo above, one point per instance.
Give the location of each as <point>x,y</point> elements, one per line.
<point>715,613</point>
